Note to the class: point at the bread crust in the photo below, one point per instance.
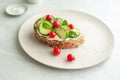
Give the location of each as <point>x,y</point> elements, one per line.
<point>72,43</point>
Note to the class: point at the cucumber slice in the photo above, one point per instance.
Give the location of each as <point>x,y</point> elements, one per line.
<point>73,34</point>
<point>39,22</point>
<point>43,30</point>
<point>61,32</point>
<point>67,29</point>
<point>47,25</point>
<point>59,20</point>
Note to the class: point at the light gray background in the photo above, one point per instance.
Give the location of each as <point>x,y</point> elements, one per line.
<point>16,65</point>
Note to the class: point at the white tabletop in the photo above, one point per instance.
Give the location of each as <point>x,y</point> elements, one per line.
<point>15,64</point>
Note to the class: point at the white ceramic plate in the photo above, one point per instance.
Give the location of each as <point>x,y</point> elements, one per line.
<point>97,47</point>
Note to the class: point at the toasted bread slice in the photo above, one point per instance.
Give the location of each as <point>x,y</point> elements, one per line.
<point>71,43</point>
